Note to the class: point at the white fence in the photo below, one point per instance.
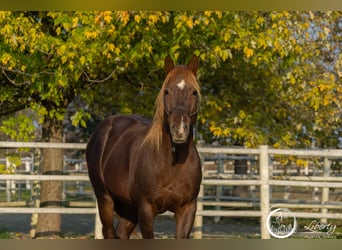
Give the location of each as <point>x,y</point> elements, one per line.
<point>264,181</point>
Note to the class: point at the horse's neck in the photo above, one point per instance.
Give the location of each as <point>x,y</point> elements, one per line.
<point>181,152</point>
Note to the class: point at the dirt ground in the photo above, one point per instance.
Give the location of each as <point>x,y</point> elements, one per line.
<point>82,226</point>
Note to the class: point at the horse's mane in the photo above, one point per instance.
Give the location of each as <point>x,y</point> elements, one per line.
<point>155,131</point>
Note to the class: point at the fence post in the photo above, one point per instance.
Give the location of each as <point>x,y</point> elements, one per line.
<point>198,223</point>
<point>220,170</point>
<point>325,190</point>
<point>264,190</point>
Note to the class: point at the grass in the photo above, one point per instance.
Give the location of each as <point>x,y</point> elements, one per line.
<point>4,234</point>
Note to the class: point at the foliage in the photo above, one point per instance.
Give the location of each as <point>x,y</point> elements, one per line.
<point>19,127</point>
<point>267,77</point>
<point>4,234</point>
<point>14,160</point>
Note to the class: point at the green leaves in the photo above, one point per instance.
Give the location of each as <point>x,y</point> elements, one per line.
<point>266,77</point>
<point>19,127</point>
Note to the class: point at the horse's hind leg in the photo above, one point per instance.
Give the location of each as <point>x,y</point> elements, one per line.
<point>106,208</point>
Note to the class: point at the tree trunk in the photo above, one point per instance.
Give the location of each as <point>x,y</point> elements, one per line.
<point>51,191</point>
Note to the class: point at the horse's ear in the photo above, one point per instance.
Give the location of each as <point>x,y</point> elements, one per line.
<point>168,64</point>
<point>193,64</point>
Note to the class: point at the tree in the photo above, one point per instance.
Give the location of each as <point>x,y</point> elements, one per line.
<point>50,58</point>
<point>267,77</point>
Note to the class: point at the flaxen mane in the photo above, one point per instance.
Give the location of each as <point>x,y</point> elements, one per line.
<point>155,132</point>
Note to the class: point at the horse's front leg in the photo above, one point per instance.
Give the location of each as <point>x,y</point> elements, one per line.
<point>146,217</point>
<point>185,217</point>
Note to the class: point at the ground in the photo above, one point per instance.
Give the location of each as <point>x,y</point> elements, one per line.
<point>82,227</point>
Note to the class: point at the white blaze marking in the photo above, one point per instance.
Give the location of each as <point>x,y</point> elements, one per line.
<point>181,127</point>
<point>181,84</point>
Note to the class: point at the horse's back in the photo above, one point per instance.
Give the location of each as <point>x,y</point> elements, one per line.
<point>114,132</point>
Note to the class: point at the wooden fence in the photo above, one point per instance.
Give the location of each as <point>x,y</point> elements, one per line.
<point>265,181</point>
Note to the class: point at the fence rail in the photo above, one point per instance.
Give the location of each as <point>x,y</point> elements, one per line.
<point>264,181</point>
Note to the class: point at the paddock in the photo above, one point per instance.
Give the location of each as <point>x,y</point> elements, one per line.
<point>307,182</point>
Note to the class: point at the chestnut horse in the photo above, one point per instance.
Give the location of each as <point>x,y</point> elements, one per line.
<point>140,168</point>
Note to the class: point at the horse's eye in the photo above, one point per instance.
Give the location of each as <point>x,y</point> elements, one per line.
<point>194,93</point>
<point>166,92</point>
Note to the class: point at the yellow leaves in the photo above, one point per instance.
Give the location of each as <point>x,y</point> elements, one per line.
<point>61,50</point>
<point>226,36</point>
<point>125,109</point>
<point>276,45</point>
<point>123,16</point>
<point>58,30</point>
<point>260,20</point>
<point>137,18</point>
<point>324,86</point>
<point>5,58</point>
<point>206,21</point>
<point>262,43</point>
<point>224,54</point>
<point>218,14</point>
<point>74,22</point>
<point>165,18</point>
<point>82,60</point>
<point>215,106</point>
<point>107,16</point>
<point>288,139</point>
<point>302,163</point>
<point>248,52</point>
<point>109,49</point>
<point>117,51</point>
<point>208,13</point>
<point>242,114</point>
<point>291,77</point>
<point>91,34</point>
<point>219,131</point>
<point>152,19</point>
<point>189,23</point>
<point>4,14</point>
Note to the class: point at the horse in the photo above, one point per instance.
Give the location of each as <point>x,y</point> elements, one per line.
<point>140,168</point>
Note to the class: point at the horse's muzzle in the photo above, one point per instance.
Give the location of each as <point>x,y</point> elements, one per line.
<point>180,133</point>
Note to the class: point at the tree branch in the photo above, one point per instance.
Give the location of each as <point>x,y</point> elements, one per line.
<point>16,71</point>
<point>8,111</point>
<point>91,81</point>
<point>12,81</point>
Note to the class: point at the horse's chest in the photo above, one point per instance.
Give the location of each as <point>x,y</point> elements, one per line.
<point>167,187</point>
<point>172,195</point>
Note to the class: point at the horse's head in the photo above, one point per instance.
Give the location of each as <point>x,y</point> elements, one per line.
<point>181,98</point>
